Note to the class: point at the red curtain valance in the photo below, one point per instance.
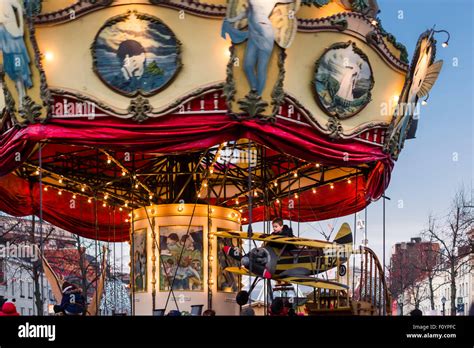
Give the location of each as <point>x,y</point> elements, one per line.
<point>181,133</point>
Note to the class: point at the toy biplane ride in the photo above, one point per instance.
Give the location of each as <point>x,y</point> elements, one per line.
<point>292,260</point>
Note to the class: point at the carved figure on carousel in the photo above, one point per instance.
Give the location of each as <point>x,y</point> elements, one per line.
<point>16,61</point>
<point>261,34</point>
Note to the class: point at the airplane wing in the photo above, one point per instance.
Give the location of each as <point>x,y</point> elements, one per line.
<point>315,283</point>
<point>275,238</point>
<point>239,271</point>
<point>307,281</point>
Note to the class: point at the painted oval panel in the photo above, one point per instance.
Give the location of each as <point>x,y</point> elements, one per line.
<point>136,54</point>
<point>343,80</point>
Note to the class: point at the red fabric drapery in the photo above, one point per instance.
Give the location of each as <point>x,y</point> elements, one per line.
<point>20,197</point>
<point>181,133</point>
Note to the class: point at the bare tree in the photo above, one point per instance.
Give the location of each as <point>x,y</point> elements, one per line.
<point>452,234</point>
<point>403,272</point>
<point>21,232</point>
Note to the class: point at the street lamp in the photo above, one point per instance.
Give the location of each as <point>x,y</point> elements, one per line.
<point>443,301</point>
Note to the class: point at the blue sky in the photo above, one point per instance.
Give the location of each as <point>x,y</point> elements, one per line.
<point>426,177</point>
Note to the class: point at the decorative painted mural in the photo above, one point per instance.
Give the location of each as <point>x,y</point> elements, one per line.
<point>136,54</point>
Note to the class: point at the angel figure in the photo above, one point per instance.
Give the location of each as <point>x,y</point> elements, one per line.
<point>260,35</point>
<point>423,77</point>
<point>16,60</point>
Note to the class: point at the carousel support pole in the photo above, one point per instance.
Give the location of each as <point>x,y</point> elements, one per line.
<point>384,230</point>
<point>249,230</point>
<point>96,238</point>
<point>132,257</point>
<point>40,155</point>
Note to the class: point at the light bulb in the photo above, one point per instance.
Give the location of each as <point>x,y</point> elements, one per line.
<point>49,56</point>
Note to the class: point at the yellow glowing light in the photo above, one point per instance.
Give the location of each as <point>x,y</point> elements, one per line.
<point>46,188</point>
<point>120,209</point>
<point>89,200</point>
<point>296,196</point>
<point>396,98</point>
<point>49,56</point>
<point>123,173</point>
<point>126,220</point>
<point>295,174</point>
<point>60,192</point>
<point>314,190</point>
<point>332,186</point>
<point>74,196</point>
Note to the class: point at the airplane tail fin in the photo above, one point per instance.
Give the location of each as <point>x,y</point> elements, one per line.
<point>344,236</point>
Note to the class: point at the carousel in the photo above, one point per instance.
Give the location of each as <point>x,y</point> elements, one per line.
<point>166,124</point>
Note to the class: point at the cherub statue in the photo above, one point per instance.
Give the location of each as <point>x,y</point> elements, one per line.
<point>12,44</point>
<point>261,34</point>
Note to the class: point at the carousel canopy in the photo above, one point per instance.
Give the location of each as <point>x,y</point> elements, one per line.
<point>116,105</point>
